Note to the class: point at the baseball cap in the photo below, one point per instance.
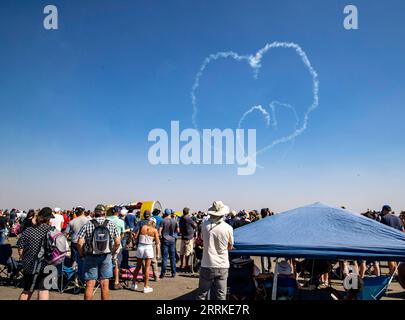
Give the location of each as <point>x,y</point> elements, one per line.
<point>116,209</point>
<point>79,209</point>
<point>146,214</point>
<point>386,208</point>
<point>100,207</point>
<point>168,212</point>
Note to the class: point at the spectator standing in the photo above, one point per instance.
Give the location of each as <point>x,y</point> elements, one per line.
<point>187,230</point>
<point>72,231</point>
<point>29,246</point>
<point>391,220</point>
<point>157,215</point>
<point>66,220</point>
<point>120,225</point>
<point>146,216</point>
<point>12,217</point>
<point>29,220</point>
<point>167,231</point>
<point>145,251</point>
<point>231,220</point>
<point>217,236</point>
<point>130,223</point>
<point>98,241</point>
<point>58,220</point>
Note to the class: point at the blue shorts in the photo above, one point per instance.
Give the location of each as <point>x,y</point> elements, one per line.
<point>98,267</point>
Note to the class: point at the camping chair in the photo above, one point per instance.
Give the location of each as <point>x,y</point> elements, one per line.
<point>374,288</point>
<point>69,279</point>
<point>6,252</point>
<point>10,269</point>
<point>241,283</point>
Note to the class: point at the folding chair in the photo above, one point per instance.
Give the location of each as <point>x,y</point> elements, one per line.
<point>241,284</point>
<point>10,269</point>
<point>69,279</point>
<point>6,252</point>
<point>374,288</point>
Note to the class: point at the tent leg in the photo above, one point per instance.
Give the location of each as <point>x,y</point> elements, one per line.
<point>275,277</point>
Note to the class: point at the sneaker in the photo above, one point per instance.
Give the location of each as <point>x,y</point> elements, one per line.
<point>173,275</point>
<point>161,276</point>
<point>147,290</point>
<point>134,287</point>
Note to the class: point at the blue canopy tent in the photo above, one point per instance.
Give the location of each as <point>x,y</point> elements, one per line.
<point>319,231</point>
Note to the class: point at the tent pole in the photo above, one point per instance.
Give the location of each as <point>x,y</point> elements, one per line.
<point>262,263</point>
<point>274,289</point>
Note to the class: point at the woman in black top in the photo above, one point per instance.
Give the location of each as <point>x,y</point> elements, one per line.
<point>29,246</point>
<point>28,221</point>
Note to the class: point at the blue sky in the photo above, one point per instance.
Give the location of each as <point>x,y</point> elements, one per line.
<point>77,104</point>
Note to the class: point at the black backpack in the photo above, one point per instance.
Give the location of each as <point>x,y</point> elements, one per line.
<point>101,239</point>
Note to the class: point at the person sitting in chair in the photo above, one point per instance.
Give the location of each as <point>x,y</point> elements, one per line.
<point>286,281</point>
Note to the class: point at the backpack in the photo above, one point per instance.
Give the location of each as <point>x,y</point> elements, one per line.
<point>56,247</point>
<point>15,230</point>
<point>101,240</point>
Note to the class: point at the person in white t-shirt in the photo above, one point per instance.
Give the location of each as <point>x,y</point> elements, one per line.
<point>58,221</point>
<point>217,236</point>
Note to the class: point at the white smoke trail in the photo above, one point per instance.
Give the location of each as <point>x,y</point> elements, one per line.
<point>255,63</point>
<point>273,105</point>
<point>266,115</point>
<point>267,118</point>
<point>273,119</point>
<point>207,61</point>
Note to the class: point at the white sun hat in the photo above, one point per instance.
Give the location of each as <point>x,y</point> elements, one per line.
<point>218,209</point>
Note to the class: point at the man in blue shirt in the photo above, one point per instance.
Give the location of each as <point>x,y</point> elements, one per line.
<point>389,219</point>
<point>130,220</point>
<point>158,218</point>
<point>168,230</point>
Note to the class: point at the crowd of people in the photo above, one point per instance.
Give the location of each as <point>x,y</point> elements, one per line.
<point>100,241</point>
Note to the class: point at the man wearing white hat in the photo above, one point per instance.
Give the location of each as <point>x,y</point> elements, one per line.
<point>217,236</point>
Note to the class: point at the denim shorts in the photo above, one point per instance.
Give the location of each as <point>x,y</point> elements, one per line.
<point>98,267</point>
